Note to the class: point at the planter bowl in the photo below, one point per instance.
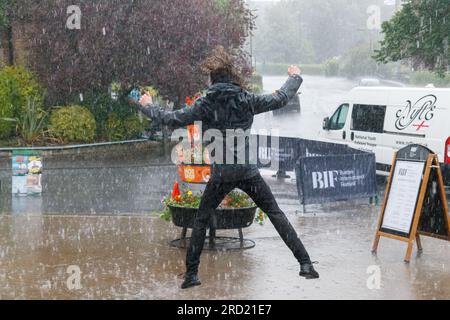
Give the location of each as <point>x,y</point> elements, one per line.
<point>226,219</point>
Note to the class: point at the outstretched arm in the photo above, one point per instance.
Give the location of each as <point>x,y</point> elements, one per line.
<point>175,119</point>
<point>279,99</point>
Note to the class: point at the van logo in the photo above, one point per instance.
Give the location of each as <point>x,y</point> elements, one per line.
<point>421,111</point>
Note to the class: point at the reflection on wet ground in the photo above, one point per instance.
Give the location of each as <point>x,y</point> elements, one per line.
<point>98,220</point>
<point>129,257</point>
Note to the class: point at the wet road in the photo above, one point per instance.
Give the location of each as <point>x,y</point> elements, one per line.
<point>320,97</point>
<point>95,216</point>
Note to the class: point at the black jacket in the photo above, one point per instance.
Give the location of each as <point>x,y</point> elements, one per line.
<point>227,106</point>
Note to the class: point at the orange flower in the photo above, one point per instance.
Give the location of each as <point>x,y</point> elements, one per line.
<point>176,191</point>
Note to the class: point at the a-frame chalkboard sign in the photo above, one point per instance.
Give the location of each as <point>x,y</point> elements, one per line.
<point>415,202</point>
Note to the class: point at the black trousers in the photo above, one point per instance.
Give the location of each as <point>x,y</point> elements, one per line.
<point>259,191</point>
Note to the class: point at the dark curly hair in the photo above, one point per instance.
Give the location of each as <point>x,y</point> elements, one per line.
<point>223,64</point>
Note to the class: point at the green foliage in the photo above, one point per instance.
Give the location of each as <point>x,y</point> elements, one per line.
<point>422,78</point>
<point>135,126</point>
<point>280,37</point>
<point>100,105</point>
<point>5,7</point>
<point>72,124</point>
<point>236,199</point>
<point>116,119</point>
<point>17,87</point>
<point>118,129</point>
<point>280,69</point>
<point>30,124</point>
<point>114,128</point>
<point>331,67</point>
<point>312,31</point>
<point>221,5</point>
<point>165,215</point>
<point>256,83</point>
<point>358,62</point>
<point>419,33</point>
<point>313,69</point>
<point>188,199</point>
<point>150,90</point>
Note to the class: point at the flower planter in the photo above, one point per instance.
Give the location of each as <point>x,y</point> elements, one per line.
<point>221,219</point>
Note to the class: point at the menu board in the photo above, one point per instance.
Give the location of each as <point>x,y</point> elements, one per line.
<point>403,197</point>
<point>416,202</point>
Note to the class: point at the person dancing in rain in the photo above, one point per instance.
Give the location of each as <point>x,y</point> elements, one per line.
<point>228,106</point>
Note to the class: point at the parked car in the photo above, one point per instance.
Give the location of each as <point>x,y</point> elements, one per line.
<point>369,82</point>
<point>292,106</point>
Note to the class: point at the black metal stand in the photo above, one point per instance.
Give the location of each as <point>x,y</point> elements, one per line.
<point>281,174</point>
<point>215,243</point>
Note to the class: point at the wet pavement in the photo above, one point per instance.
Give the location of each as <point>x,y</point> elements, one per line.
<point>95,216</point>
<point>129,180</point>
<point>127,256</point>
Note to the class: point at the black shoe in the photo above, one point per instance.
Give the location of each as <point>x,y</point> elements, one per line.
<point>308,271</point>
<point>190,281</point>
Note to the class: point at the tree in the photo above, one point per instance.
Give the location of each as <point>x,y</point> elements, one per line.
<point>6,11</point>
<point>135,42</point>
<point>313,31</point>
<point>418,33</point>
<point>280,36</point>
<point>5,6</point>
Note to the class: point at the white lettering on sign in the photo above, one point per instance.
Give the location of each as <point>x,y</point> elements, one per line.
<point>325,180</point>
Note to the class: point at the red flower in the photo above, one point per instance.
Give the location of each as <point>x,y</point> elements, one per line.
<point>176,194</point>
<point>191,100</point>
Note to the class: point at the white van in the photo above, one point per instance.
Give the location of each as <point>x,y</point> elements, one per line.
<point>384,119</point>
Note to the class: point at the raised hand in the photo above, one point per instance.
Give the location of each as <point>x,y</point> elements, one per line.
<point>146,100</point>
<point>294,70</point>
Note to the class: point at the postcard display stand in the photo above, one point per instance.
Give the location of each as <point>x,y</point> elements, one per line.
<point>26,173</point>
<point>415,202</point>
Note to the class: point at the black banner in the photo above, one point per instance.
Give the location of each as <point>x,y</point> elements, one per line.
<point>283,153</point>
<point>348,175</point>
<point>325,171</point>
<point>278,152</point>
